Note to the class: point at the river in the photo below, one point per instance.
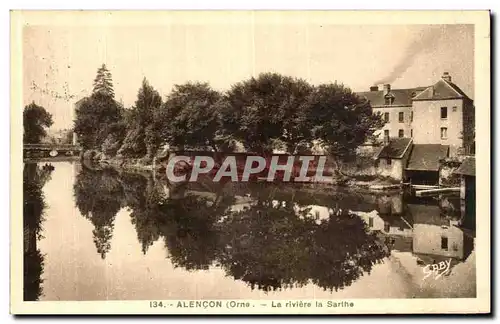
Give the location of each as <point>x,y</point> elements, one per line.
<point>105,235</point>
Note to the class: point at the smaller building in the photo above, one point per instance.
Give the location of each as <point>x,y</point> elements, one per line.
<point>392,158</point>
<point>467,172</point>
<point>424,163</point>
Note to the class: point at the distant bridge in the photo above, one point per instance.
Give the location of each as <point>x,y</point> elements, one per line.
<point>50,149</point>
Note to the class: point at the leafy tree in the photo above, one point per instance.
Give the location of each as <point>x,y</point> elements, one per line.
<point>103,82</point>
<point>133,143</point>
<point>190,116</point>
<point>35,120</point>
<point>267,109</point>
<point>341,120</point>
<point>142,137</point>
<point>96,118</point>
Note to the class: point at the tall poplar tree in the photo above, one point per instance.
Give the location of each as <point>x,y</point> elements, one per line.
<point>103,82</point>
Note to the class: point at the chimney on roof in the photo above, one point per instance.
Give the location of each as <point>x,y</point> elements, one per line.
<point>446,77</point>
<point>373,88</point>
<point>387,88</point>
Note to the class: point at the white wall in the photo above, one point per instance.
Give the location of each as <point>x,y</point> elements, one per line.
<point>427,123</point>
<point>427,240</point>
<point>394,125</point>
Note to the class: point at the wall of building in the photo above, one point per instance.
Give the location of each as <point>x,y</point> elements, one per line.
<point>396,168</point>
<point>394,125</point>
<point>393,170</point>
<point>427,123</point>
<point>469,126</point>
<point>372,220</point>
<point>427,240</point>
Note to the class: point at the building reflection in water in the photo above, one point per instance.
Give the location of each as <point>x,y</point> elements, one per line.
<point>431,228</point>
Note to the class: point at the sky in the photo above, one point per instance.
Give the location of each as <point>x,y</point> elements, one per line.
<point>60,61</point>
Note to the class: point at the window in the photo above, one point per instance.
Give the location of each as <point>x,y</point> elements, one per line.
<point>411,116</point>
<point>387,227</point>
<point>454,109</point>
<point>411,132</point>
<point>444,112</point>
<point>370,222</point>
<point>386,117</point>
<point>401,133</point>
<point>388,162</point>
<point>444,243</point>
<point>386,133</point>
<point>401,116</point>
<point>444,133</point>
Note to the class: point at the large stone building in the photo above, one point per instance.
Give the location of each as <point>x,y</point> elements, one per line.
<point>438,119</point>
<point>438,114</point>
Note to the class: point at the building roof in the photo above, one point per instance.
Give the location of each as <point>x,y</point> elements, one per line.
<point>396,148</point>
<point>396,221</point>
<point>441,90</point>
<point>425,157</point>
<point>402,97</point>
<point>468,167</point>
<point>426,215</point>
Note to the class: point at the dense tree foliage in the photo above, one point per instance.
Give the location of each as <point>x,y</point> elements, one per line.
<point>340,119</point>
<point>264,113</point>
<point>96,118</point>
<point>35,120</point>
<point>268,109</point>
<point>142,138</point>
<point>99,120</point>
<point>190,116</point>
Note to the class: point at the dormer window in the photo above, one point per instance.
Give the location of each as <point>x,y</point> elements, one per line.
<point>389,100</point>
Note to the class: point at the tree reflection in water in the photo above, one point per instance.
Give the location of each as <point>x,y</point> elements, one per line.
<point>142,199</point>
<point>189,227</point>
<point>34,178</point>
<point>268,244</point>
<point>273,245</point>
<point>98,196</point>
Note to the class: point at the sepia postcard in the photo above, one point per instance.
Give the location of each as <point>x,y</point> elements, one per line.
<point>250,162</point>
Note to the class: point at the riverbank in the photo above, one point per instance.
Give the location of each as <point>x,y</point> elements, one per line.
<point>352,183</point>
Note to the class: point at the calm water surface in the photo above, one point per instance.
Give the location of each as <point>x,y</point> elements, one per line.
<point>98,234</point>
